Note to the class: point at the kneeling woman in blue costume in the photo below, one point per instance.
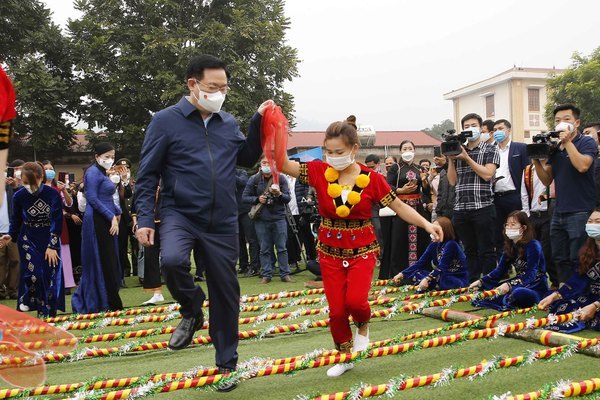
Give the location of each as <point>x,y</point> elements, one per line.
<point>582,290</point>
<point>525,254</point>
<point>449,264</point>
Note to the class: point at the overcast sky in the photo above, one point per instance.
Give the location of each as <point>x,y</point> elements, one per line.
<point>390,61</point>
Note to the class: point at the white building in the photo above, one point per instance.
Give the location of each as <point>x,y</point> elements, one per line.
<point>518,95</point>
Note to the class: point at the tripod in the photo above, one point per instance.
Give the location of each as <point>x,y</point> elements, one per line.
<point>292,224</point>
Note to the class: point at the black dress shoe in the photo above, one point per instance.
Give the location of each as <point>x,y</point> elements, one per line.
<point>183,335</point>
<point>227,386</point>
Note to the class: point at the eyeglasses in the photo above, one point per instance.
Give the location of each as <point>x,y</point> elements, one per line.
<point>213,88</point>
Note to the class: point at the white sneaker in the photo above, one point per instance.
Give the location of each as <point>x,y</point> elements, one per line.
<point>361,343</point>
<point>157,298</point>
<point>339,369</point>
<point>23,307</point>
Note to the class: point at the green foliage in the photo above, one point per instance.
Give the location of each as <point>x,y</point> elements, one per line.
<point>437,130</point>
<point>579,85</point>
<point>132,56</point>
<point>38,59</point>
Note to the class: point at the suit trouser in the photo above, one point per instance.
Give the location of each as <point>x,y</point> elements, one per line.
<point>218,253</point>
<point>475,229</point>
<point>9,269</point>
<point>504,204</point>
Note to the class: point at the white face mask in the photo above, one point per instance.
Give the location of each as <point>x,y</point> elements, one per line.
<point>106,163</point>
<point>408,156</point>
<point>513,234</point>
<point>115,179</point>
<point>211,102</point>
<point>265,169</point>
<point>564,126</point>
<point>485,137</point>
<point>18,174</point>
<point>476,133</point>
<point>340,163</point>
<point>129,175</point>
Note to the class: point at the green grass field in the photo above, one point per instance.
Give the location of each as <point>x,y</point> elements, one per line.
<point>314,381</point>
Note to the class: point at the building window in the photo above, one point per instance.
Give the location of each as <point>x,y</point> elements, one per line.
<point>534,120</point>
<point>489,106</point>
<point>533,96</point>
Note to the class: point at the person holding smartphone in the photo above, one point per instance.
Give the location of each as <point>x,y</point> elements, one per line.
<point>407,241</point>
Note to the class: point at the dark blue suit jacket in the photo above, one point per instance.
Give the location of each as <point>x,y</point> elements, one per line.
<point>517,161</point>
<point>197,166</point>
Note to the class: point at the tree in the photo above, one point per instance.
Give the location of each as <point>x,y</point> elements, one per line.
<point>579,85</point>
<point>437,130</point>
<point>132,54</point>
<point>38,59</point>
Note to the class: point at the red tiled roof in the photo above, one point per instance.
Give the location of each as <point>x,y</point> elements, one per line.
<point>382,138</point>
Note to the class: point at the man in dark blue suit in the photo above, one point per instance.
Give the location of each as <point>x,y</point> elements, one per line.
<point>507,189</point>
<point>194,148</point>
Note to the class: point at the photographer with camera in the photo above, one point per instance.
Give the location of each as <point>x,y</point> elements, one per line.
<point>571,168</point>
<point>471,172</point>
<point>270,223</point>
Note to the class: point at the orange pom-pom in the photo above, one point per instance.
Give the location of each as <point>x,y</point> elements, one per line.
<point>331,175</point>
<point>334,190</point>
<point>342,211</point>
<point>362,181</point>
<point>353,198</point>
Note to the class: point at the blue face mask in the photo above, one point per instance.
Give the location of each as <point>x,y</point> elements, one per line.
<point>593,231</point>
<point>476,133</point>
<point>499,136</point>
<point>50,174</point>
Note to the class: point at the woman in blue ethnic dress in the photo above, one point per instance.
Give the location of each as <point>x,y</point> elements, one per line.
<point>582,290</point>
<point>525,254</point>
<point>449,264</point>
<point>101,274</point>
<point>36,225</point>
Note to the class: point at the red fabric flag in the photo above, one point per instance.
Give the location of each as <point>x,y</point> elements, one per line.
<point>7,98</point>
<point>274,138</point>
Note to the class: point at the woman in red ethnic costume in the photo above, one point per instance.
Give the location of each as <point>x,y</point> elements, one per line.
<point>346,191</point>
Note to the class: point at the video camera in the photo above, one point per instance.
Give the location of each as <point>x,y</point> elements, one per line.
<point>543,145</point>
<point>454,142</point>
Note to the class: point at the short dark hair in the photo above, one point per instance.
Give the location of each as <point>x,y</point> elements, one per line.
<point>563,107</point>
<point>489,124</point>
<point>199,63</point>
<point>595,124</point>
<point>17,163</point>
<point>424,160</point>
<point>393,158</point>
<point>471,116</point>
<point>503,121</point>
<point>372,158</point>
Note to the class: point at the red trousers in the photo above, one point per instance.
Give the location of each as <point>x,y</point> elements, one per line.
<point>347,283</point>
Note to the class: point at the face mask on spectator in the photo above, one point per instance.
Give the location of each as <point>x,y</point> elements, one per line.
<point>265,169</point>
<point>513,234</point>
<point>115,179</point>
<point>106,163</point>
<point>593,231</point>
<point>50,174</point>
<point>476,133</point>
<point>564,126</point>
<point>18,174</point>
<point>499,136</point>
<point>408,156</point>
<point>485,136</point>
<point>340,163</point>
